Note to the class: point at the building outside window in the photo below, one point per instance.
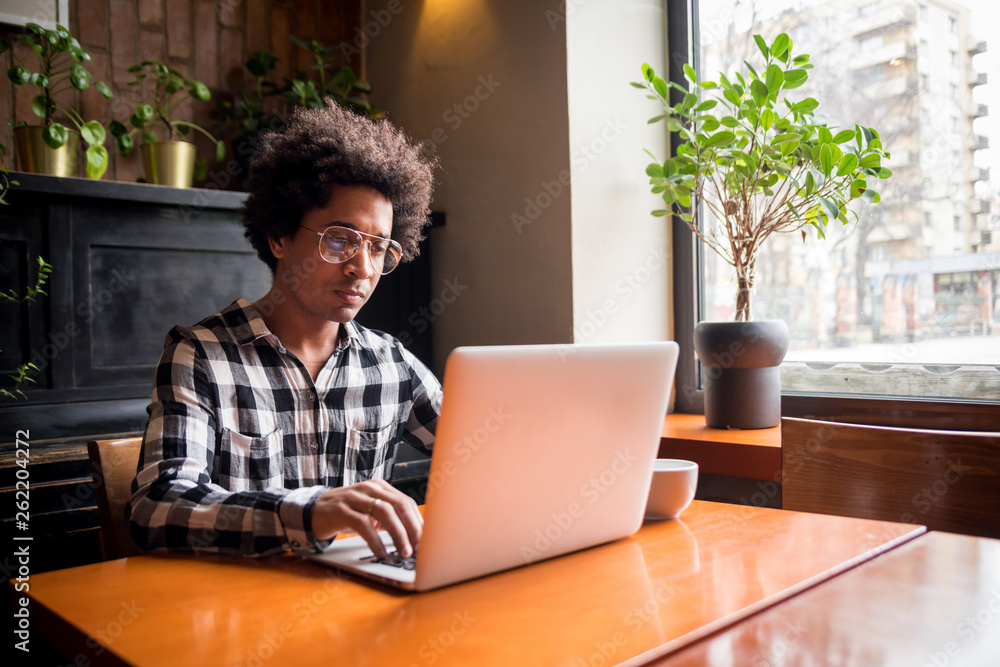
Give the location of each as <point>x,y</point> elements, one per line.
<point>905,301</point>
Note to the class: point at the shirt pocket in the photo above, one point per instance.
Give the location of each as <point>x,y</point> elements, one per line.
<point>254,463</point>
<point>369,454</point>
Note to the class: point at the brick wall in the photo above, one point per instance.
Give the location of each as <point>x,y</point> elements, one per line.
<point>208,40</point>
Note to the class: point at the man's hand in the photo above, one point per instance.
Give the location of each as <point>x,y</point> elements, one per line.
<point>347,508</point>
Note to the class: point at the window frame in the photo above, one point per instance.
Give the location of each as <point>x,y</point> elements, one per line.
<point>688,261</point>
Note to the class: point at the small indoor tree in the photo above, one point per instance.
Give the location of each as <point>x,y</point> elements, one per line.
<point>758,161</point>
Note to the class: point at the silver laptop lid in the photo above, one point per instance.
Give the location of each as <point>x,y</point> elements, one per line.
<point>540,450</point>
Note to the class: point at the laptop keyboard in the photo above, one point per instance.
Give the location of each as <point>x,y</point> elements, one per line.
<point>393,559</point>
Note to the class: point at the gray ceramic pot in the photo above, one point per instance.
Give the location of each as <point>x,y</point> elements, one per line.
<point>742,378</point>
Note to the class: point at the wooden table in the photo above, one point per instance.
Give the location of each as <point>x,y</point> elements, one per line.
<point>631,601</point>
<point>933,601</point>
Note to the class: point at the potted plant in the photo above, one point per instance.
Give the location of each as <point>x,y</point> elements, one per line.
<point>266,105</point>
<point>340,83</point>
<point>756,162</point>
<point>50,148</point>
<point>166,159</point>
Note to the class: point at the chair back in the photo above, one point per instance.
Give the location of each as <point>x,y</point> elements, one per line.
<point>945,480</point>
<point>113,464</point>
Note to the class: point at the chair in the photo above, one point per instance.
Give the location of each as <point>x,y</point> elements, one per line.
<point>946,480</point>
<point>113,464</point>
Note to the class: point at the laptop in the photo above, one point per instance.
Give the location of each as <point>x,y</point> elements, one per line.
<point>540,450</point>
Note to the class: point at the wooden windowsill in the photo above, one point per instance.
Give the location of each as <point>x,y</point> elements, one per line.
<point>754,454</point>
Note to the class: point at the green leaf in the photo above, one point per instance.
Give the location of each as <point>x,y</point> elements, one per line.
<point>719,139</point>
<point>635,84</point>
<point>660,86</point>
<point>710,124</point>
<point>795,78</point>
<point>789,147</point>
<point>220,151</point>
<point>117,128</point>
<point>144,112</point>
<point>19,75</point>
<point>689,73</point>
<point>831,209</point>
<point>871,196</point>
<point>96,161</point>
<point>774,77</point>
<point>729,121</point>
<point>848,164</point>
<point>807,105</point>
<point>780,45</point>
<point>826,159</point>
<point>200,169</point>
<point>660,213</point>
<point>200,91</point>
<point>786,136</point>
<point>79,77</point>
<point>759,92</point>
<point>682,194</point>
<point>732,97</point>
<point>655,170</point>
<point>647,72</point>
<point>93,133</point>
<point>858,187</point>
<point>870,161</point>
<point>707,105</point>
<point>55,135</point>
<point>103,89</point>
<point>843,135</point>
<point>38,106</point>
<point>125,144</point>
<point>762,45</point>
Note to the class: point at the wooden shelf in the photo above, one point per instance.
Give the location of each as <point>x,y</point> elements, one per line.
<point>753,454</point>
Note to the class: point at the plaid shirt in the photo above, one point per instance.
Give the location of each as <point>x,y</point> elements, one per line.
<point>241,443</point>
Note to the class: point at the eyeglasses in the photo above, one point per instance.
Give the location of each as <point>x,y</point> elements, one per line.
<point>339,244</point>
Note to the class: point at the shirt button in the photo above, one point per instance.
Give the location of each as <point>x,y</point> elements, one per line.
<point>312,396</point>
<point>314,446</point>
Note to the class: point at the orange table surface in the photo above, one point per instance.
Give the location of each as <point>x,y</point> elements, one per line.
<point>629,601</point>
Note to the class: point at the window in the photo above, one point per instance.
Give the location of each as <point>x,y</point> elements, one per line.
<point>953,58</point>
<point>873,312</point>
<point>953,24</point>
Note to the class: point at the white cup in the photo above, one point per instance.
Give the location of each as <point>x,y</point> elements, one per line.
<point>672,489</point>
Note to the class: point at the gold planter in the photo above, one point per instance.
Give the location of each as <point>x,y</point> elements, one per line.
<point>35,157</point>
<point>169,163</point>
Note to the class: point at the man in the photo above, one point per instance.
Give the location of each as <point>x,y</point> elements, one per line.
<point>273,425</point>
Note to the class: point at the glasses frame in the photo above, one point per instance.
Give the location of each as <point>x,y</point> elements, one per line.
<point>366,239</point>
